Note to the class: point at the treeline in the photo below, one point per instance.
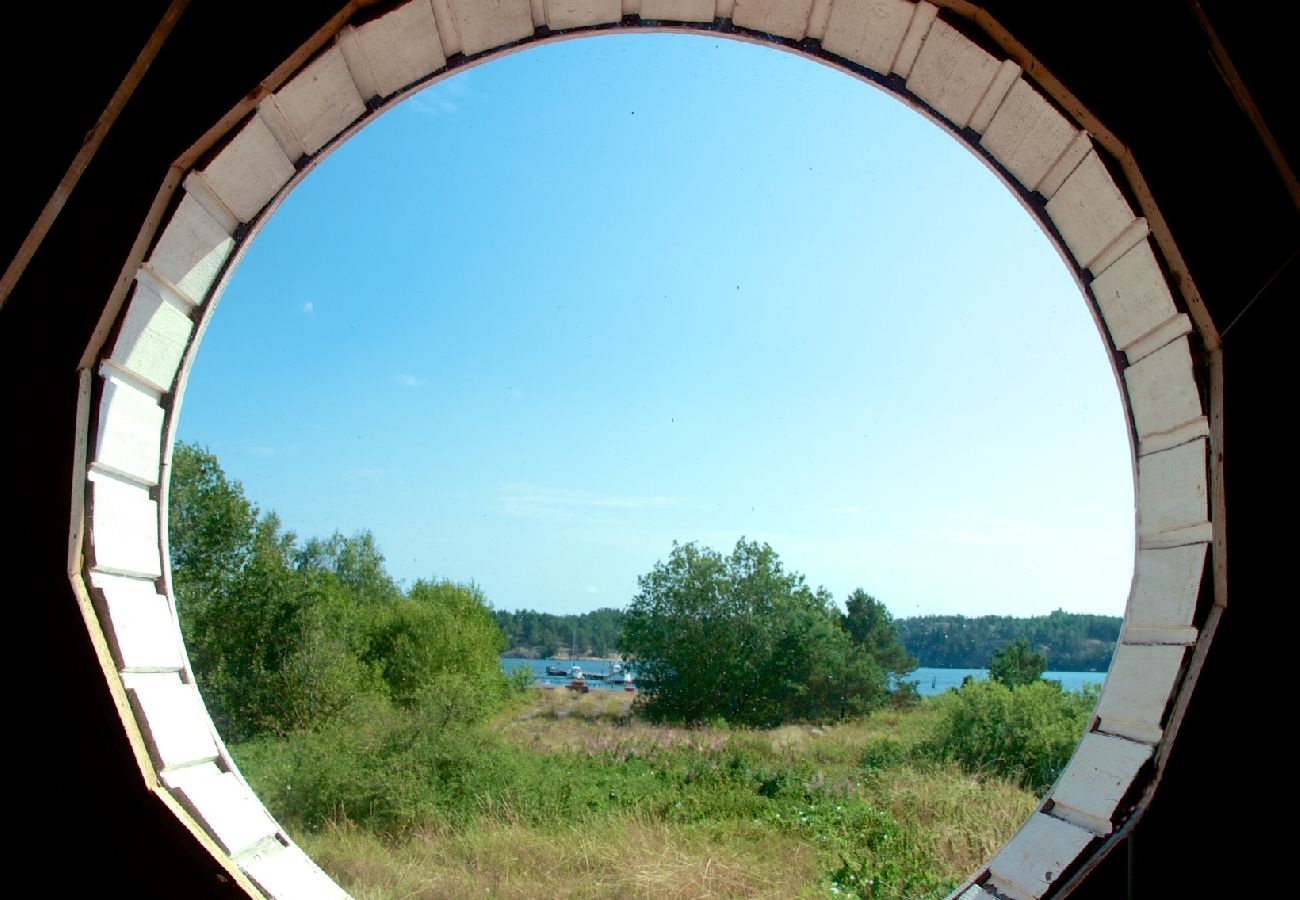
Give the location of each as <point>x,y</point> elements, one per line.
<point>545,635</point>
<point>288,635</point>
<point>1072,642</point>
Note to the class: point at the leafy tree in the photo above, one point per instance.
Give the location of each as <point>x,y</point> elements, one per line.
<point>1017,663</point>
<point>871,626</point>
<point>285,637</point>
<point>1025,733</point>
<point>740,638</point>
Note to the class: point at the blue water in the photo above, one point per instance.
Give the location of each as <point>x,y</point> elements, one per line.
<point>928,681</point>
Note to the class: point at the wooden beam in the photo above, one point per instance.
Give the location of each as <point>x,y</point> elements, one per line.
<point>89,147</point>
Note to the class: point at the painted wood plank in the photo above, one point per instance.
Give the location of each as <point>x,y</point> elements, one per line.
<point>1153,340</point>
<point>1137,690</point>
<point>975,892</point>
<point>173,719</point>
<point>129,436</point>
<point>1027,134</point>
<point>288,874</point>
<point>1133,296</point>
<point>1096,779</point>
<point>448,33</point>
<point>923,16</point>
<point>192,249</point>
<point>123,527</point>
<point>1162,390</point>
<point>1036,855</point>
<point>249,171</point>
<point>1089,210</point>
<point>1172,489</point>
<point>1182,635</point>
<point>152,338</point>
<point>320,101</point>
<point>224,806</point>
<point>138,620</point>
<point>561,14</point>
<point>868,32</point>
<point>401,47</point>
<point>1074,153</point>
<point>784,18</point>
<point>678,10</point>
<point>1127,239</point>
<point>951,73</point>
<point>484,24</point>
<point>1008,73</point>
<point>818,17</point>
<point>1190,431</point>
<point>1165,586</point>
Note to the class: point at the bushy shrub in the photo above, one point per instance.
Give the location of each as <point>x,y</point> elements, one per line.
<point>1025,733</point>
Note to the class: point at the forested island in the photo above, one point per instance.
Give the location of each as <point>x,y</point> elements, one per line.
<point>1072,642</point>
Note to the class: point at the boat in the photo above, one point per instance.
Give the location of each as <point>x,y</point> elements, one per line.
<point>577,681</point>
<point>559,671</point>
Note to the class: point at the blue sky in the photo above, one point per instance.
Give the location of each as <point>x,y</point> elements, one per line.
<point>550,315</point>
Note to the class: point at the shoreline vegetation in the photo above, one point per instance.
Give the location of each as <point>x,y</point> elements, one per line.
<point>770,750</point>
<point>1072,642</point>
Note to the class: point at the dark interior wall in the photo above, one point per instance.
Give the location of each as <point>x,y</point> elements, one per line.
<point>1144,70</point>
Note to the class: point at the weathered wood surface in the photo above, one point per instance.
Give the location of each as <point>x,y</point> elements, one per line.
<point>484,24</point>
<point>141,630</point>
<point>1165,587</point>
<point>1027,134</point>
<point>784,18</point>
<point>1028,864</point>
<point>1074,153</point>
<point>223,805</point>
<point>1089,210</point>
<point>1132,295</point>
<point>951,74</point>
<point>288,874</point>
<point>1008,73</point>
<point>1138,689</point>
<point>923,17</point>
<point>1162,334</point>
<point>249,171</point>
<point>173,719</point>
<point>1162,391</point>
<point>1097,778</point>
<point>1172,491</point>
<point>868,32</point>
<point>561,14</point>
<point>191,250</point>
<point>319,102</point>
<point>129,439</point>
<point>123,527</point>
<point>152,338</point>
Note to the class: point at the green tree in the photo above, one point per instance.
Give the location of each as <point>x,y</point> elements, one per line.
<point>740,638</point>
<point>1017,663</point>
<point>871,626</point>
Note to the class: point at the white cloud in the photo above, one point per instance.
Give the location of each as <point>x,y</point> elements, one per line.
<point>308,308</point>
<point>592,589</point>
<point>406,379</point>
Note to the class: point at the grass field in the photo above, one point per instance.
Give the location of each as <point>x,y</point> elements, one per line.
<point>572,796</point>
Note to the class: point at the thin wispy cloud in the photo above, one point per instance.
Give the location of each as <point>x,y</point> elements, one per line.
<point>308,308</point>
<point>406,379</point>
<point>592,589</point>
